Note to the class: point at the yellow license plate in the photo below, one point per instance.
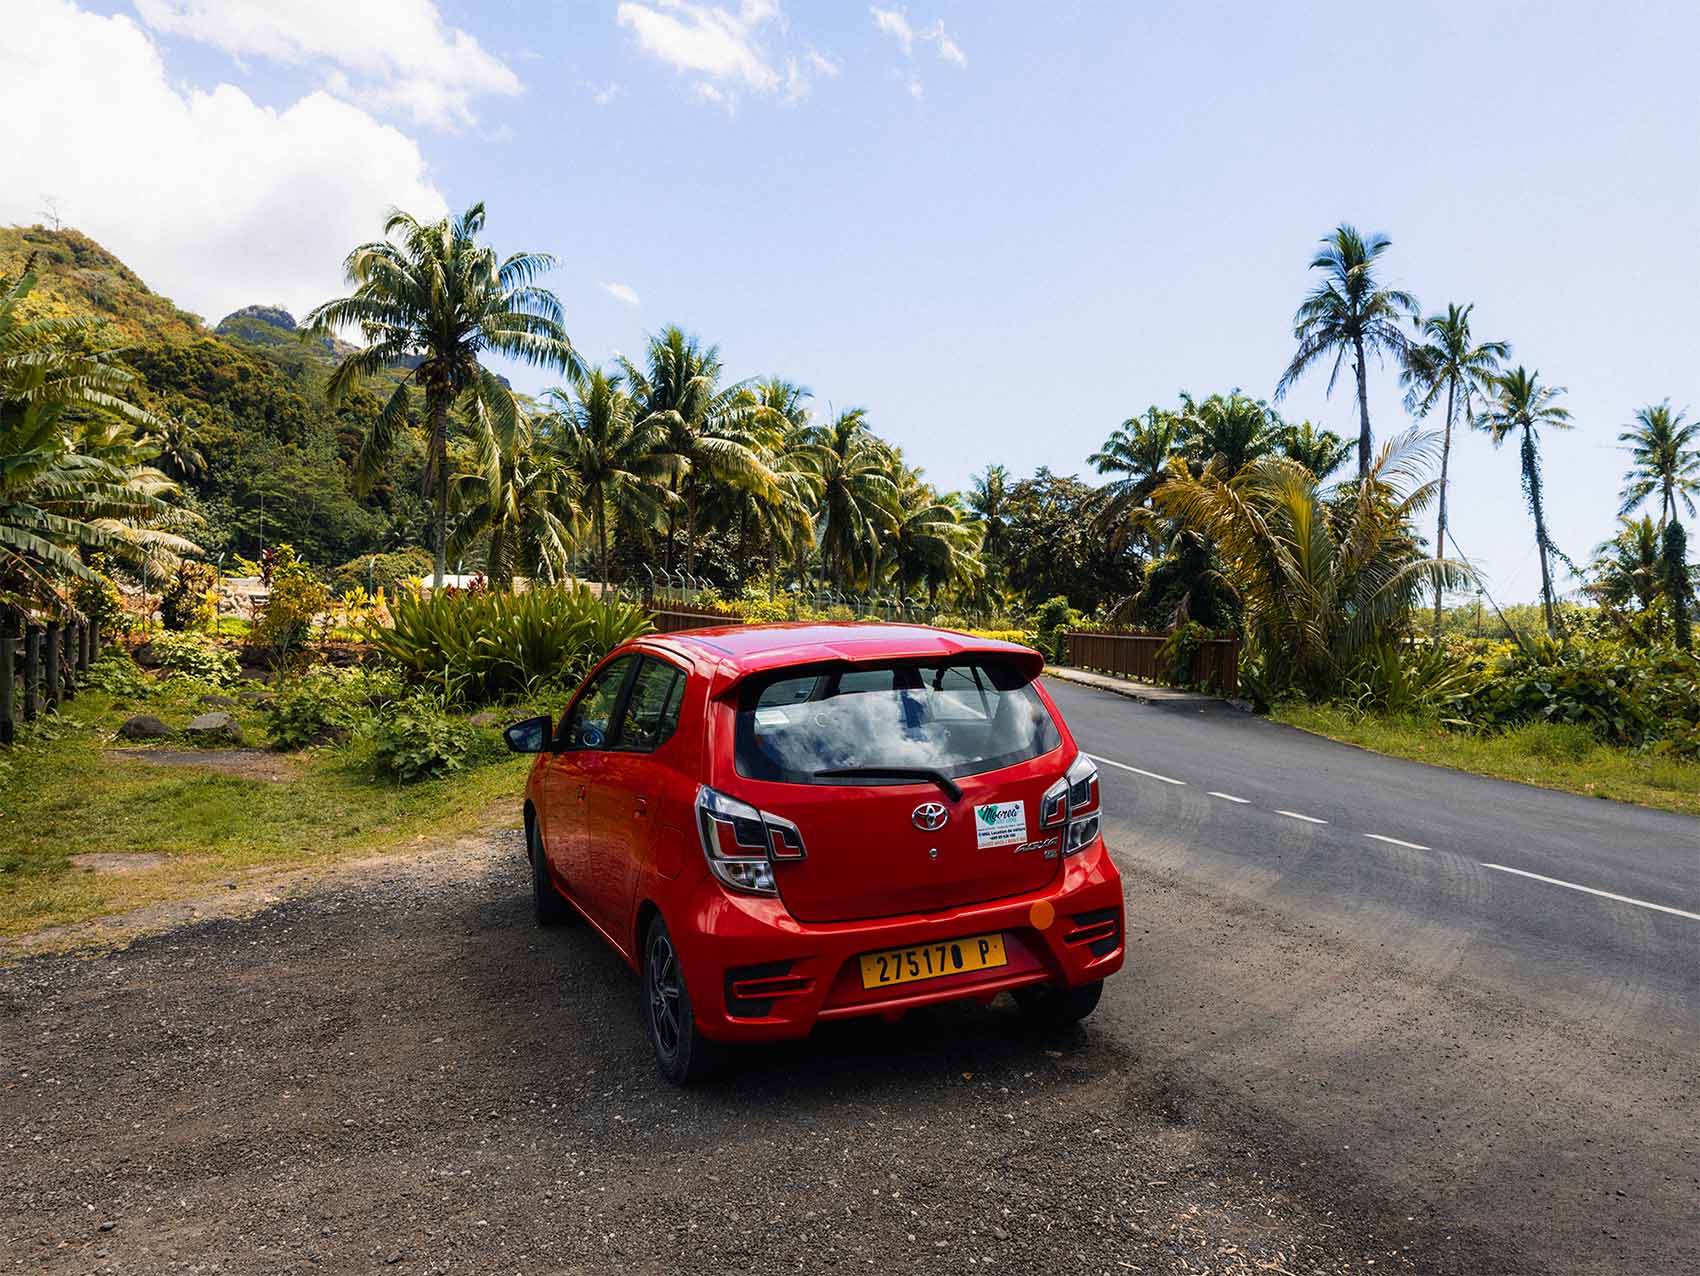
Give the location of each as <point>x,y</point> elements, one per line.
<point>932,961</point>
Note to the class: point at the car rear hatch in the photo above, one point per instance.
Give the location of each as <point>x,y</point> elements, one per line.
<point>891,842</point>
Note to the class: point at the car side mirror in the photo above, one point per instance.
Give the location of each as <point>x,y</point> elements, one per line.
<point>530,736</point>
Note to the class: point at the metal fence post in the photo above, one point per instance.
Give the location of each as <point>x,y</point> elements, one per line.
<point>8,702</point>
<point>32,672</point>
<point>51,657</point>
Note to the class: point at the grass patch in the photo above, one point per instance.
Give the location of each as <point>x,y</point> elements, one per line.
<point>61,796</point>
<point>1549,755</point>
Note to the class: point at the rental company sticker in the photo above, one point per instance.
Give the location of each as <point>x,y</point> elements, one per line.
<point>1000,824</point>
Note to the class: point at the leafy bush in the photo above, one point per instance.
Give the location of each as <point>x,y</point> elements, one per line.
<point>100,600</point>
<point>1021,636</point>
<point>391,572</point>
<point>196,656</point>
<point>416,739</point>
<point>325,705</point>
<point>1427,680</point>
<point>188,601</point>
<point>116,674</point>
<point>949,620</point>
<point>286,620</point>
<point>1176,655</point>
<point>479,647</point>
<point>1050,618</point>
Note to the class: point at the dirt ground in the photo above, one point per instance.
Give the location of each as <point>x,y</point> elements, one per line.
<point>391,1068</point>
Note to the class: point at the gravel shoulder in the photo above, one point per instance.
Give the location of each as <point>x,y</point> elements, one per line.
<point>395,1070</point>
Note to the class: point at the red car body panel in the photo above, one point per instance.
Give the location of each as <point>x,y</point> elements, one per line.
<point>619,834</point>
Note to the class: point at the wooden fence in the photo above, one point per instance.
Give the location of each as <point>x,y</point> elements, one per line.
<point>1215,665</point>
<point>40,669</point>
<point>673,617</point>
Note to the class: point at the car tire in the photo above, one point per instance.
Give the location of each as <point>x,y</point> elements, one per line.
<point>1048,1006</point>
<point>682,1053</point>
<point>550,906</point>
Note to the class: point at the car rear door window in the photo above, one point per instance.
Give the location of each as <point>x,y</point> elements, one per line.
<point>652,708</point>
<point>959,717</point>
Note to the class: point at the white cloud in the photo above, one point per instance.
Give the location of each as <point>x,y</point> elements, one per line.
<point>821,64</point>
<point>214,200</point>
<point>606,94</point>
<point>621,292</point>
<point>895,23</point>
<point>915,89</point>
<point>708,39</point>
<point>391,55</point>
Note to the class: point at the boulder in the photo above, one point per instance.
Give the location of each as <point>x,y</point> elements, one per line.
<point>488,718</point>
<point>215,701</point>
<point>259,699</point>
<point>144,656</point>
<point>144,726</point>
<point>217,727</point>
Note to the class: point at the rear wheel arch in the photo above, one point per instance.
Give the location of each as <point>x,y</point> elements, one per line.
<point>648,910</point>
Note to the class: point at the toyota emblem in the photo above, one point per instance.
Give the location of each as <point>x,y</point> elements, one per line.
<point>930,816</point>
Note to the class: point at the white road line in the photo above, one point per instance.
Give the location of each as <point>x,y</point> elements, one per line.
<point>1136,770</point>
<point>1308,819</point>
<point>1589,890</point>
<point>1415,846</point>
<point>1229,797</point>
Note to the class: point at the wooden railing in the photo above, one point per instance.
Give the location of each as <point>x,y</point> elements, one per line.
<point>673,617</point>
<point>40,668</point>
<point>1215,665</point>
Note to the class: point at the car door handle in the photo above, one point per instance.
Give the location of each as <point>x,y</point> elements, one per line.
<point>640,808</point>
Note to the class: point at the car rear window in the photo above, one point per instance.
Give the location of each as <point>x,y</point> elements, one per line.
<point>960,717</point>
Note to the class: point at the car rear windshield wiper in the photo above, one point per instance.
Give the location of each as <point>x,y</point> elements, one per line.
<point>896,773</point>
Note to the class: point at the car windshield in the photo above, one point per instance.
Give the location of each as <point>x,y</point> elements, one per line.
<point>955,718</point>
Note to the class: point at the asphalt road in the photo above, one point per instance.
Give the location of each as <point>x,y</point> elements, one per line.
<point>1357,978</point>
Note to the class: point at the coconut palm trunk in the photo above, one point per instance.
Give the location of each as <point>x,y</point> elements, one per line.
<point>440,485</point>
<point>1532,481</point>
<point>1440,525</point>
<point>1363,410</point>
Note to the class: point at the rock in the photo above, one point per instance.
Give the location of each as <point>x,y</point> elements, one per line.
<point>218,702</point>
<point>144,726</point>
<point>487,718</point>
<point>214,728</point>
<point>144,656</point>
<point>259,699</point>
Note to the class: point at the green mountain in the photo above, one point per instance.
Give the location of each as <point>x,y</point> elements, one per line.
<point>278,458</point>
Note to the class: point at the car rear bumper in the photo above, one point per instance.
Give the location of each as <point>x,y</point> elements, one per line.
<point>757,974</point>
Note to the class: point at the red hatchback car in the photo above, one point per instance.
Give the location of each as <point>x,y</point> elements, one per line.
<point>778,824</point>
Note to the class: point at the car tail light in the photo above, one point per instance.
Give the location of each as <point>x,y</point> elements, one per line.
<point>741,843</point>
<point>1082,780</point>
<point>1053,806</point>
<point>1081,834</point>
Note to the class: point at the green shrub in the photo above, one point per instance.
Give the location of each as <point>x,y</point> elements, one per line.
<point>391,572</point>
<point>286,620</point>
<point>1430,679</point>
<point>116,674</point>
<point>188,601</point>
<point>195,656</point>
<point>1176,654</point>
<point>474,648</point>
<point>325,705</point>
<point>415,739</point>
<point>949,620</point>
<point>100,600</point>
<point>1050,618</point>
<point>1022,636</point>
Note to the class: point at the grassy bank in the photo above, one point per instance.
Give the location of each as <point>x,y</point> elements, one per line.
<point>65,793</point>
<point>1549,755</point>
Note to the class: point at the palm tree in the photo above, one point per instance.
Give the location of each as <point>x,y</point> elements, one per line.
<point>178,441</point>
<point>1320,451</point>
<point>1628,568</point>
<point>1521,404</point>
<point>616,460</point>
<point>933,543</point>
<point>1229,432</point>
<point>1323,574</point>
<point>858,498</point>
<point>430,299</point>
<point>58,496</point>
<point>514,489</point>
<point>708,427</point>
<point>785,514</point>
<point>1449,359</point>
<point>1139,450</point>
<point>1349,312</point>
<point>1664,458</point>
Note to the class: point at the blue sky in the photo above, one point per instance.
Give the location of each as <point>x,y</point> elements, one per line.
<point>1001,228</point>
